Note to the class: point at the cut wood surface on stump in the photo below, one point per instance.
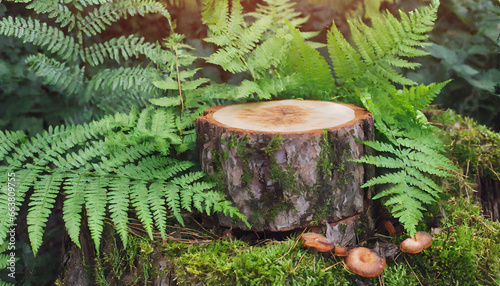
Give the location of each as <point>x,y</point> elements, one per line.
<point>286,164</point>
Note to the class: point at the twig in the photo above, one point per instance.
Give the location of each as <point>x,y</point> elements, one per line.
<point>413,271</point>
<point>481,221</point>
<point>493,279</point>
<point>330,267</point>
<point>294,244</point>
<point>381,280</point>
<point>300,260</point>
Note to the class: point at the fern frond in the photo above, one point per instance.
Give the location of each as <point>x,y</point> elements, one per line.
<point>75,187</point>
<point>407,209</point>
<point>96,199</point>
<point>24,180</point>
<point>140,201</point>
<point>40,34</point>
<point>3,257</point>
<point>54,9</point>
<point>187,179</point>
<point>174,201</point>
<point>346,61</point>
<point>156,196</point>
<point>115,81</point>
<point>41,202</point>
<point>312,70</point>
<point>382,161</point>
<point>117,48</point>
<point>163,168</point>
<point>236,39</point>
<point>128,154</point>
<point>56,141</point>
<point>280,11</point>
<point>106,14</point>
<point>119,201</point>
<point>390,178</point>
<point>68,79</point>
<point>214,14</point>
<point>82,157</point>
<point>85,3</point>
<point>380,48</point>
<point>9,141</point>
<point>266,55</point>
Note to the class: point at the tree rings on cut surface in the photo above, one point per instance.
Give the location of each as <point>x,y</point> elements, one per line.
<point>284,115</point>
<point>286,164</point>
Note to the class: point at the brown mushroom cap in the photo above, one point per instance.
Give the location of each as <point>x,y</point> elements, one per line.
<point>316,240</point>
<point>419,242</point>
<point>424,238</point>
<point>410,245</point>
<point>340,251</point>
<point>365,262</point>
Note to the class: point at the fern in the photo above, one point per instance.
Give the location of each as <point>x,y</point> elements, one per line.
<point>119,163</point>
<point>367,73</point>
<point>67,79</point>
<point>75,188</point>
<point>42,200</point>
<point>119,198</point>
<point>370,64</point>
<point>266,45</point>
<point>71,52</point>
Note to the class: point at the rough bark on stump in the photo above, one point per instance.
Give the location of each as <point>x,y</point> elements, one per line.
<point>286,164</point>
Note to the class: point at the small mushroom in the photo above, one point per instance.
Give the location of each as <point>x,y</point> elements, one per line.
<point>317,241</point>
<point>424,238</point>
<point>419,242</point>
<point>365,262</point>
<point>340,251</point>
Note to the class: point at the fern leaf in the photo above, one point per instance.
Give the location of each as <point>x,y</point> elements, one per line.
<point>266,55</point>
<point>40,34</point>
<point>379,48</point>
<point>345,59</point>
<point>9,141</point>
<point>157,202</point>
<point>96,199</point>
<point>174,201</point>
<point>214,15</point>
<point>54,9</point>
<point>186,179</point>
<point>68,79</point>
<point>119,205</point>
<point>166,101</point>
<point>41,202</point>
<point>117,48</point>
<point>391,178</point>
<point>382,161</point>
<point>75,188</point>
<point>106,14</point>
<point>85,3</point>
<point>140,201</point>
<point>22,181</point>
<point>115,81</point>
<point>312,70</point>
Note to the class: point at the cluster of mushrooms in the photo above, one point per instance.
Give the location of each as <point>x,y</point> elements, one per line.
<point>361,260</point>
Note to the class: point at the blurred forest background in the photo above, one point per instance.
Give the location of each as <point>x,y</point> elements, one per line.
<point>465,47</point>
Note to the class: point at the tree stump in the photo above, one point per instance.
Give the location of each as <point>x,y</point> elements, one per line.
<point>286,164</point>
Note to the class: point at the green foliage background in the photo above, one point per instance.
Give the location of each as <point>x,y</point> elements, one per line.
<point>141,160</point>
